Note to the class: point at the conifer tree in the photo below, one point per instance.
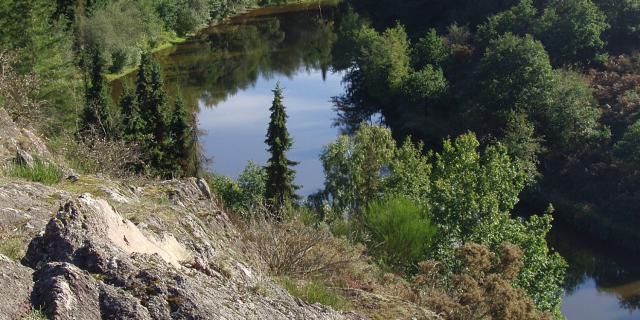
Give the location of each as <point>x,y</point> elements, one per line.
<point>280,189</point>
<point>96,113</point>
<point>132,122</point>
<point>152,102</point>
<point>182,142</point>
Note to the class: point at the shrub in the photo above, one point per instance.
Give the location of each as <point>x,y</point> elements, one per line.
<point>44,172</point>
<point>481,285</point>
<point>401,232</point>
<point>298,248</point>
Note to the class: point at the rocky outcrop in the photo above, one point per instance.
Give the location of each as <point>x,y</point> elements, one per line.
<point>93,264</point>
<point>16,141</point>
<point>16,287</point>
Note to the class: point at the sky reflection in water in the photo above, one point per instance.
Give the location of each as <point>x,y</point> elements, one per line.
<point>236,128</point>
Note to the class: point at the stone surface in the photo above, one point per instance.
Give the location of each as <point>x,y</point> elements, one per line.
<point>16,286</point>
<point>92,263</point>
<point>14,139</point>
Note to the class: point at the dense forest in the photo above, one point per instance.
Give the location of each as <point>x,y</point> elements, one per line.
<point>460,124</point>
<point>553,81</point>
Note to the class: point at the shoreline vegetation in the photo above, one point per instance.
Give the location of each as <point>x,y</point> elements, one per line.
<point>253,10</point>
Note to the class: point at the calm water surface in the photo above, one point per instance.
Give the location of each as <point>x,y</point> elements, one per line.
<point>226,73</point>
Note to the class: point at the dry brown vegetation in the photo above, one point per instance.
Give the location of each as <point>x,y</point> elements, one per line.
<point>480,289</point>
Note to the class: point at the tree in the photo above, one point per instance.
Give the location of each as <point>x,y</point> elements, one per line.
<point>430,49</point>
<point>628,148</point>
<point>518,20</point>
<point>514,74</point>
<point>469,194</point>
<point>181,147</point>
<point>280,188</point>
<point>133,123</point>
<point>96,115</point>
<point>428,83</point>
<point>152,101</point>
<point>572,30</point>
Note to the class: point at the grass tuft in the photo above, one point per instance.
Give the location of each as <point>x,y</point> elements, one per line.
<point>43,172</point>
<point>35,314</point>
<point>314,292</point>
<point>13,248</point>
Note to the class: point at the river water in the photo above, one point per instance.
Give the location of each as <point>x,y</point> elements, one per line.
<point>227,73</point>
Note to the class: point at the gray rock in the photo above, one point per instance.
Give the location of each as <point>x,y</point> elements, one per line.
<point>64,292</point>
<point>129,280</point>
<point>24,159</point>
<point>15,289</point>
<point>204,188</point>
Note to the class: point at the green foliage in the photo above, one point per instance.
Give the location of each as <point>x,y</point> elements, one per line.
<point>122,28</point>
<point>571,30</point>
<point>628,148</point>
<point>469,195</point>
<point>35,314</point>
<point>384,60</point>
<point>518,20</point>
<point>246,193</point>
<point>401,233</point>
<point>182,144</point>
<point>623,16</point>
<point>252,183</point>
<point>572,115</point>
<point>353,167</point>
<point>515,73</point>
<point>522,144</point>
<point>44,172</point>
<point>44,48</point>
<point>314,292</point>
<point>98,114</point>
<point>280,187</point>
<point>430,49</point>
<point>428,83</point>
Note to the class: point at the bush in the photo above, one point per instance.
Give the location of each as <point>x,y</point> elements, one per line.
<point>482,284</point>
<point>44,172</point>
<point>297,248</point>
<point>401,233</point>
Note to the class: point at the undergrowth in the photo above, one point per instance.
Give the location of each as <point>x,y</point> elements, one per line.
<point>44,172</point>
<point>314,292</point>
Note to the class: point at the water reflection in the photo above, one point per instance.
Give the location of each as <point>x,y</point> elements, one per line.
<point>226,59</point>
<point>601,283</point>
<point>226,74</point>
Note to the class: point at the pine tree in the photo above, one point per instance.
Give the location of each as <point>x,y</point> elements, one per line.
<point>133,124</point>
<point>280,189</point>
<point>152,101</point>
<point>182,142</point>
<point>96,113</point>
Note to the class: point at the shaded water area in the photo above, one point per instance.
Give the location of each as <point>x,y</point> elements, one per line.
<point>226,73</point>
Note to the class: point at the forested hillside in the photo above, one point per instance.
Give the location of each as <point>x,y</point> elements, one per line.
<point>467,128</point>
<point>553,81</point>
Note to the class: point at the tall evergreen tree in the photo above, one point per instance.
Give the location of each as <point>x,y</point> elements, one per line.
<point>132,122</point>
<point>96,113</point>
<point>280,189</point>
<point>181,147</point>
<point>152,101</point>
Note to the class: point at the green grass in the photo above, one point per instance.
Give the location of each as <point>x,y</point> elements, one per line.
<point>43,172</point>
<point>35,314</point>
<point>314,292</point>
<point>12,248</point>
